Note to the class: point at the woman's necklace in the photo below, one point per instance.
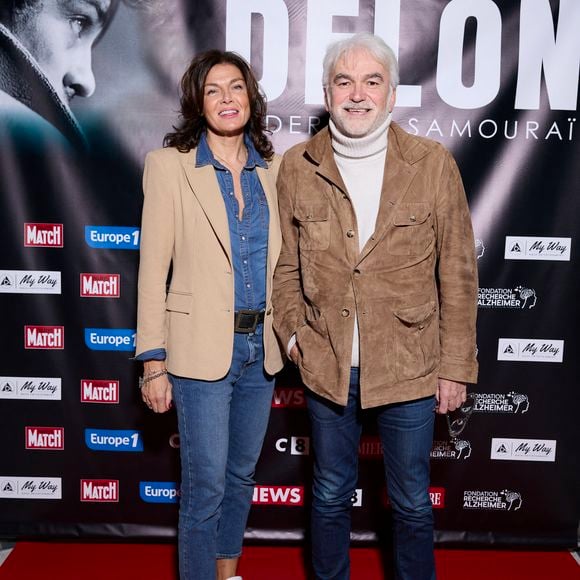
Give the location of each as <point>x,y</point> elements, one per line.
<point>238,166</point>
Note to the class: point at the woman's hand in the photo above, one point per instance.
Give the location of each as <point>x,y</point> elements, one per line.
<point>157,392</point>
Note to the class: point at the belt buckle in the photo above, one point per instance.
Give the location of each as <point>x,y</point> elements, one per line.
<point>243,315</point>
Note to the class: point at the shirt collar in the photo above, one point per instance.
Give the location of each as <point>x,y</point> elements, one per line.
<point>205,156</point>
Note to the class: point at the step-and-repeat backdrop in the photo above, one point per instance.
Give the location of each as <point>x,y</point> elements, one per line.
<point>496,82</point>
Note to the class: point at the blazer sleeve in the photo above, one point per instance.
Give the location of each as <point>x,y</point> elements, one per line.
<point>156,250</point>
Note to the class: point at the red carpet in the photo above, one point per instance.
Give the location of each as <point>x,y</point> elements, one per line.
<point>82,561</point>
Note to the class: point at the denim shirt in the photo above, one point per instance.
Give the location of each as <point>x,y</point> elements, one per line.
<point>248,236</point>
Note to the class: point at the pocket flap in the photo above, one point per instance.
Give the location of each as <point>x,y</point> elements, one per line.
<point>178,302</point>
<point>312,213</point>
<point>415,314</point>
<point>411,214</point>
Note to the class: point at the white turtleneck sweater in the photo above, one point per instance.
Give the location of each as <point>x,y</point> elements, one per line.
<point>361,163</point>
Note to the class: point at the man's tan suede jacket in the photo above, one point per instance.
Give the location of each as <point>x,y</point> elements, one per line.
<point>413,287</point>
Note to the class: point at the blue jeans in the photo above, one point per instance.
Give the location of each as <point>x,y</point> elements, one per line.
<point>221,427</point>
<point>406,432</point>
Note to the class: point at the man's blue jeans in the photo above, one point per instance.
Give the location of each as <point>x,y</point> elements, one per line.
<point>221,427</point>
<point>406,432</point>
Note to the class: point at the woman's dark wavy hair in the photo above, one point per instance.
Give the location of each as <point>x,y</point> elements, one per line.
<point>193,123</point>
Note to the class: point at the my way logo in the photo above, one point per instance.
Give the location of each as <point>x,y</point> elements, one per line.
<point>44,438</point>
<point>159,491</point>
<point>44,337</point>
<point>278,495</point>
<point>512,402</point>
<point>100,490</point>
<point>110,338</point>
<point>29,282</point>
<point>530,350</point>
<point>537,248</point>
<point>504,500</point>
<point>520,297</point>
<point>523,449</point>
<point>18,487</point>
<point>112,237</point>
<point>113,440</point>
<point>100,285</point>
<point>99,391</point>
<point>43,235</point>
<point>40,388</point>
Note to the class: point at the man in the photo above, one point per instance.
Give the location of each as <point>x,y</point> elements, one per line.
<point>45,61</point>
<point>375,294</point>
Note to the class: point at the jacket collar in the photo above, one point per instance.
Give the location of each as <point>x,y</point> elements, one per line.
<point>408,149</point>
<point>205,186</point>
<point>403,152</point>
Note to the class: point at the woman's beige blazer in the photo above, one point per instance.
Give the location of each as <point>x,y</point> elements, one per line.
<point>186,282</point>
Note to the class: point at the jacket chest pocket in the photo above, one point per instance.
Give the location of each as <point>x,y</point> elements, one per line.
<point>412,232</point>
<point>314,226</point>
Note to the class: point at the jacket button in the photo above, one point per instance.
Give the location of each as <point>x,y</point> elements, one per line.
<point>269,312</point>
<point>421,326</point>
<point>345,312</point>
<point>412,218</point>
<point>350,233</point>
<point>357,272</point>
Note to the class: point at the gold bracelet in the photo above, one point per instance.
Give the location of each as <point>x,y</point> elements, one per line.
<point>151,376</point>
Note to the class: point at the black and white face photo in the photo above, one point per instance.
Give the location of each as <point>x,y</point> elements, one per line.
<point>59,34</point>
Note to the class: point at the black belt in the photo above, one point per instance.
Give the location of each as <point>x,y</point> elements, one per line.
<point>247,320</point>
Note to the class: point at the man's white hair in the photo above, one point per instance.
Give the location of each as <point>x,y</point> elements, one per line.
<point>372,43</point>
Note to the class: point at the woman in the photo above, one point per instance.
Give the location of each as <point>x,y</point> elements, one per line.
<point>210,230</point>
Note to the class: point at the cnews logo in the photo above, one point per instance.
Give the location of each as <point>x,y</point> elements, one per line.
<point>113,440</point>
<point>29,282</point>
<point>44,437</point>
<point>100,285</point>
<point>289,398</point>
<point>99,391</point>
<point>112,237</point>
<point>110,338</point>
<point>43,235</point>
<point>44,337</point>
<point>159,491</point>
<point>100,490</point>
<point>30,388</point>
<point>278,495</point>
